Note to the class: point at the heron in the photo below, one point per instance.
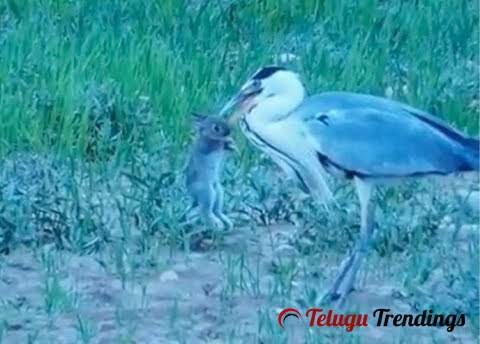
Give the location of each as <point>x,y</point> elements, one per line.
<point>363,138</point>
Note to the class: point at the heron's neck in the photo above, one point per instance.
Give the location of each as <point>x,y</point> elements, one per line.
<point>277,107</point>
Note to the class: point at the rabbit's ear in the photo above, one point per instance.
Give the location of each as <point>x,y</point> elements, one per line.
<point>198,117</point>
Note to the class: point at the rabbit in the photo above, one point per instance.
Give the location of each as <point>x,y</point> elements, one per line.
<point>205,165</point>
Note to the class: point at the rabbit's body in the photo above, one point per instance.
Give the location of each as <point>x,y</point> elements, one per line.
<point>204,168</point>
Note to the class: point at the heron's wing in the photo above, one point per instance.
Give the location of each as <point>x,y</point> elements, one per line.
<point>374,137</point>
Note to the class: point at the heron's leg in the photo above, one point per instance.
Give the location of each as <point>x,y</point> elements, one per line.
<point>366,231</point>
<point>349,268</point>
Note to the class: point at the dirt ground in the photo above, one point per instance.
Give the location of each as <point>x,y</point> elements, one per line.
<point>185,299</point>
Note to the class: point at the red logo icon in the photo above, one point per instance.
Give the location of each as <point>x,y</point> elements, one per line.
<point>285,313</point>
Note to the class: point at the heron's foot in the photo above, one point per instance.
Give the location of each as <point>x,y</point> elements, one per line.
<point>344,283</point>
<point>337,299</point>
<point>345,266</point>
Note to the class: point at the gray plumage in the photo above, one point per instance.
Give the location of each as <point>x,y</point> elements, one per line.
<point>204,167</point>
<point>372,137</point>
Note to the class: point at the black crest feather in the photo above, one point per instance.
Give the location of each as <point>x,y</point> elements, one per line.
<point>265,72</point>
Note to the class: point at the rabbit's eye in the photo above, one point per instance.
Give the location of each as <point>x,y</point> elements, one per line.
<point>216,128</point>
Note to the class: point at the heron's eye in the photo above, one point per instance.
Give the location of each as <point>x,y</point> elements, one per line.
<point>256,83</point>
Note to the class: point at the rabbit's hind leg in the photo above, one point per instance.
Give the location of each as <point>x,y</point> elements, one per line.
<point>218,207</point>
<point>206,203</point>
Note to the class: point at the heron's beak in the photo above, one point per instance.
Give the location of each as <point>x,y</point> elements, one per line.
<point>235,103</point>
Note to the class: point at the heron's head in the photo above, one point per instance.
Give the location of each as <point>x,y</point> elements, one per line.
<point>275,90</point>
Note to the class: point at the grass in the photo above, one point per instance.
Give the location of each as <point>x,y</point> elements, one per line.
<point>94,124</point>
<point>110,67</point>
